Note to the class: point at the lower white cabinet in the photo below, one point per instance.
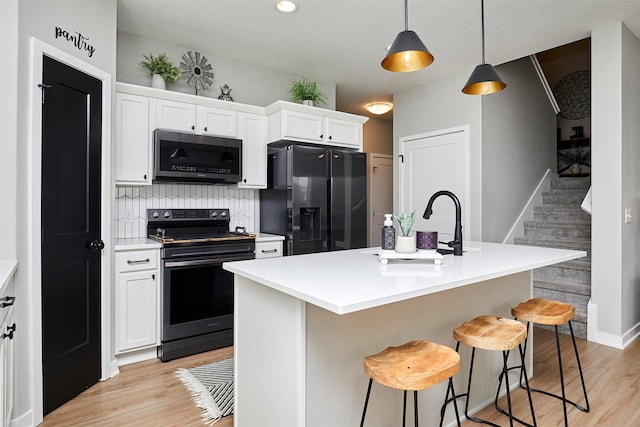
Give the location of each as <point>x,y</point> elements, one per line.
<point>7,353</point>
<point>268,249</point>
<point>137,299</point>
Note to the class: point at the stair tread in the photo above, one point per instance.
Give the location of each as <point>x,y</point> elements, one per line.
<point>563,285</point>
<point>551,240</point>
<point>558,222</point>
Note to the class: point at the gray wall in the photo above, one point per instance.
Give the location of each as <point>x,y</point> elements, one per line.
<point>442,105</point>
<point>377,136</point>
<point>249,83</point>
<point>518,146</point>
<point>614,311</point>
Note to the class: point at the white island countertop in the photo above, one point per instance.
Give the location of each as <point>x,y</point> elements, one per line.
<point>349,281</point>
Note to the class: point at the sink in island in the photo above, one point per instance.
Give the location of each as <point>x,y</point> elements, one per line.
<point>303,325</point>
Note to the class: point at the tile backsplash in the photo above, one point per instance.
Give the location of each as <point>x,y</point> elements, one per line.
<point>132,204</point>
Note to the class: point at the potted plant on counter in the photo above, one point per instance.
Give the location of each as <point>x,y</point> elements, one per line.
<point>161,68</point>
<point>307,92</point>
<point>406,242</point>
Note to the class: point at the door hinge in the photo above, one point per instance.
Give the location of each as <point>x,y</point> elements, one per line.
<point>42,87</point>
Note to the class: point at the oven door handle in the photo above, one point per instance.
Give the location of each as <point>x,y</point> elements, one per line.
<point>196,262</point>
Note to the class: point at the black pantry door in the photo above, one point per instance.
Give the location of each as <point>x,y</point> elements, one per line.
<point>71,244</point>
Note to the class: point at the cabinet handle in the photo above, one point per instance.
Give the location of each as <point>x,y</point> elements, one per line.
<point>7,301</point>
<point>139,261</point>
<point>11,329</point>
<point>145,176</point>
<point>205,128</point>
<point>321,135</point>
<point>153,277</point>
<point>269,251</point>
<point>193,127</point>
<point>329,136</point>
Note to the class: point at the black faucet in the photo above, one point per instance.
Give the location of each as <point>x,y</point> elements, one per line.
<point>456,243</point>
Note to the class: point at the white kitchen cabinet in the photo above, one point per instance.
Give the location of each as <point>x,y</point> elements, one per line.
<point>8,330</point>
<point>254,151</point>
<point>269,249</point>
<point>133,150</point>
<point>187,117</point>
<point>137,299</point>
<point>296,122</point>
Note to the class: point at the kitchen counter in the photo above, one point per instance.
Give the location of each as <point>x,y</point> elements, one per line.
<point>266,237</point>
<point>136,243</point>
<point>303,325</point>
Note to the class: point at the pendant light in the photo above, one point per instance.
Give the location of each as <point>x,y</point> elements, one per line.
<point>484,80</point>
<point>407,52</point>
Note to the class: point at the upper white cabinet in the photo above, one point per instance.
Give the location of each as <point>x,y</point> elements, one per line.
<point>200,119</point>
<point>133,150</point>
<point>296,122</point>
<point>254,151</point>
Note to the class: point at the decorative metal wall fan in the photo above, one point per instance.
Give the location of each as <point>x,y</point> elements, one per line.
<point>196,70</point>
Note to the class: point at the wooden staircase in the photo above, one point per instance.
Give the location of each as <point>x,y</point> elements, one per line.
<point>561,223</point>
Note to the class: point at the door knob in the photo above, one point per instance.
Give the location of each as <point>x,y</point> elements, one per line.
<point>96,245</point>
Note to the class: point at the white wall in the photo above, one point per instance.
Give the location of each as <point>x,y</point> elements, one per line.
<point>249,83</point>
<point>8,124</point>
<point>518,146</point>
<point>614,310</point>
<point>95,20</point>
<point>442,105</point>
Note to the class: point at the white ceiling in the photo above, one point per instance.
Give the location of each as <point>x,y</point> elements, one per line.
<point>343,41</point>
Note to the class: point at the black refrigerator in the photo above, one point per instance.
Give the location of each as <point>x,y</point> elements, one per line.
<point>316,197</point>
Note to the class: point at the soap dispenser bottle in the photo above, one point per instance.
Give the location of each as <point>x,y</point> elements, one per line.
<point>388,234</point>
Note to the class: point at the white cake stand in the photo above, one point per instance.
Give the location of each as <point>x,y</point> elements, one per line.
<point>385,256</point>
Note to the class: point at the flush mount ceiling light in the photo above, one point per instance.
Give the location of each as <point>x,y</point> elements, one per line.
<point>286,6</point>
<point>379,107</point>
<point>485,79</point>
<point>407,52</point>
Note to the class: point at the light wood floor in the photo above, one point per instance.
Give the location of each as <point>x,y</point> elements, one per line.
<point>149,394</point>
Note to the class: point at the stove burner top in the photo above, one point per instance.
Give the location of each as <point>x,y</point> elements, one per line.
<point>196,226</point>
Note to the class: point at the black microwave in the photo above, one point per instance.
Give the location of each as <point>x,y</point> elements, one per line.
<point>186,157</point>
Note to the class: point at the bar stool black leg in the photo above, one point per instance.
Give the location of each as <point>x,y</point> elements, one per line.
<point>366,402</point>
<point>404,409</point>
<point>564,398</point>
<point>415,407</point>
<point>443,408</point>
<point>584,387</point>
<point>505,375</point>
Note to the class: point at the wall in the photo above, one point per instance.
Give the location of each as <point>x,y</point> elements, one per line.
<point>8,124</point>
<point>136,200</point>
<point>518,142</point>
<point>442,105</point>
<point>614,313</point>
<point>38,18</point>
<point>249,83</point>
<point>560,62</point>
<point>378,136</point>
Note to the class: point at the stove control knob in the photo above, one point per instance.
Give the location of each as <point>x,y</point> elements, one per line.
<point>223,213</point>
<point>166,214</point>
<point>214,214</point>
<point>155,214</point>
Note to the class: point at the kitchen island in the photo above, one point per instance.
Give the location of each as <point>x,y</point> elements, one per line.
<point>303,325</point>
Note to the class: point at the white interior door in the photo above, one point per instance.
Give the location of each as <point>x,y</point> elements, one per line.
<point>429,163</point>
<point>380,194</point>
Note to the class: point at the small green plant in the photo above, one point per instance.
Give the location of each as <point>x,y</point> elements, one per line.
<point>161,65</point>
<point>575,156</point>
<point>305,89</point>
<point>406,222</point>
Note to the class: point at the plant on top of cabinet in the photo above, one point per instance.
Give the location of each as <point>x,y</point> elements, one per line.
<point>307,90</point>
<point>160,65</point>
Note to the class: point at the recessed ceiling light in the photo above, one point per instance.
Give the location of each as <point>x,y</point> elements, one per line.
<point>286,6</point>
<point>379,107</point>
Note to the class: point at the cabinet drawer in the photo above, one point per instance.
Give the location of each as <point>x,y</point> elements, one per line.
<point>137,260</point>
<point>268,249</point>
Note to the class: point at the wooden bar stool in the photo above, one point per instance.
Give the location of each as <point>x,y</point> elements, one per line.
<point>416,365</point>
<point>497,334</point>
<point>553,313</point>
